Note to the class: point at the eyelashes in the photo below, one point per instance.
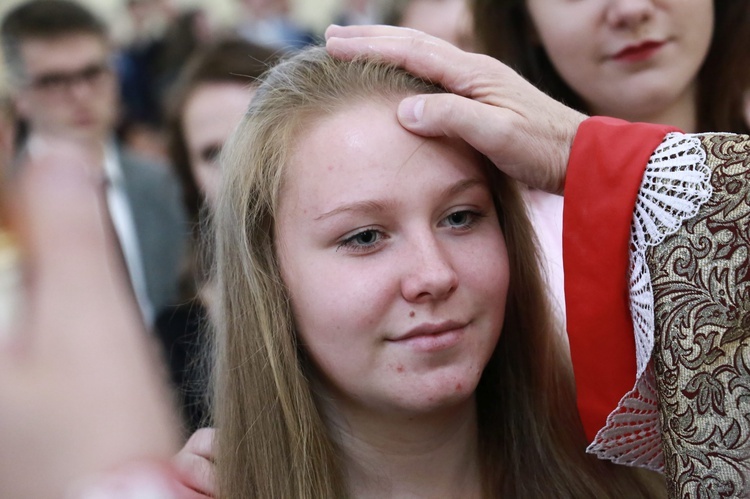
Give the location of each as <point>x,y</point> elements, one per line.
<point>211,153</point>
<point>363,240</point>
<point>370,238</point>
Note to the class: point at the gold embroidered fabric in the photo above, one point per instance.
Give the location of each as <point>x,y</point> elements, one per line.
<point>701,283</point>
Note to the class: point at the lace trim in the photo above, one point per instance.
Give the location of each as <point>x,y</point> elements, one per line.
<point>676,183</point>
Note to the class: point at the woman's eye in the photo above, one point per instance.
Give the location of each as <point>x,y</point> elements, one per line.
<point>210,154</point>
<point>463,219</point>
<point>361,241</point>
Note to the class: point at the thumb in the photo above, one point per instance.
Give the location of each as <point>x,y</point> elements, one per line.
<point>528,150</point>
<point>451,115</point>
<point>431,115</point>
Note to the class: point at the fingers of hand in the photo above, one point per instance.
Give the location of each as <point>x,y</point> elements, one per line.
<point>185,492</point>
<point>194,462</point>
<point>197,473</point>
<point>450,115</point>
<point>75,283</point>
<point>420,54</point>
<point>201,443</point>
<point>64,215</point>
<point>367,30</point>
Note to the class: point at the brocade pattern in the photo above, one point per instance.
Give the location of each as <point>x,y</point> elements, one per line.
<point>701,283</point>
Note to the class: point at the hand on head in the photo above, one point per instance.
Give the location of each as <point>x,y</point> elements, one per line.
<point>525,133</point>
<point>80,392</point>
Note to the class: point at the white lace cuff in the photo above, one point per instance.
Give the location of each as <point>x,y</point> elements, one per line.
<point>676,183</point>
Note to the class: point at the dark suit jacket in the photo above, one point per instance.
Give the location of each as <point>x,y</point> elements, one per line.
<point>160,222</point>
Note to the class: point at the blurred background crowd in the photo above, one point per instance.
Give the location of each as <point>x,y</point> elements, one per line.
<point>154,88</point>
<point>152,40</point>
<point>151,89</point>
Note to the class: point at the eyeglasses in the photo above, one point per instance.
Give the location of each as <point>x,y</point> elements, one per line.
<point>59,83</point>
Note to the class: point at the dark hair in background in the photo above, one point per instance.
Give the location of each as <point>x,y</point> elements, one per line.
<point>45,20</point>
<point>184,329</point>
<point>229,60</point>
<point>506,31</point>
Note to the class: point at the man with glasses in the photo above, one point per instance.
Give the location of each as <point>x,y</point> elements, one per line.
<point>59,58</point>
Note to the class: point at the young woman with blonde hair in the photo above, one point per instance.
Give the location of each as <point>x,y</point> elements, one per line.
<point>382,326</point>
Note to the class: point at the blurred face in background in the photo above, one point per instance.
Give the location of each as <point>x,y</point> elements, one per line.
<point>446,19</point>
<point>69,87</point>
<point>263,8</point>
<point>630,59</point>
<point>210,115</point>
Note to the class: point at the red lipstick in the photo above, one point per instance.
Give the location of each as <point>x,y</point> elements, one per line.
<point>638,52</point>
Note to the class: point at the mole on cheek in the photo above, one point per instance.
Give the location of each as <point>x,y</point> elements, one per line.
<point>411,314</point>
<point>458,387</point>
<point>399,368</point>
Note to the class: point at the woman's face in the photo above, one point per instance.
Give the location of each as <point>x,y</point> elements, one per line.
<point>446,19</point>
<point>210,115</point>
<point>626,58</point>
<point>396,266</point>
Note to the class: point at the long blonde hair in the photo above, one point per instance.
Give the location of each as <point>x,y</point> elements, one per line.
<point>272,440</point>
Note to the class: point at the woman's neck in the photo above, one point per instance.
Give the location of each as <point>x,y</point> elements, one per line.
<point>681,112</point>
<point>435,455</point>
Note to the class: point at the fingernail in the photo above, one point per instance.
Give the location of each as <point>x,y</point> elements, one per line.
<point>410,110</point>
<point>330,27</point>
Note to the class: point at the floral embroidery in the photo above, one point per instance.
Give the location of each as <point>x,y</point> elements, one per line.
<point>701,283</point>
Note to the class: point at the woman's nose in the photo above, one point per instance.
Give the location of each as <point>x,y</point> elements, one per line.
<point>629,14</point>
<point>429,272</point>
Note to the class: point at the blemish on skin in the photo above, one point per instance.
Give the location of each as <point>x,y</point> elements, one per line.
<point>458,387</point>
<point>412,314</point>
<point>399,368</point>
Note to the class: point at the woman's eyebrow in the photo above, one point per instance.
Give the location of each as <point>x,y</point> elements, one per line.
<point>371,206</point>
<point>358,206</point>
<point>463,185</point>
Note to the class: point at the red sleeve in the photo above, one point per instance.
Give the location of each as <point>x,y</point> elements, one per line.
<point>605,169</point>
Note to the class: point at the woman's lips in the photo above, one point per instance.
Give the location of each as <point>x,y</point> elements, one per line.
<point>638,52</point>
<point>433,337</point>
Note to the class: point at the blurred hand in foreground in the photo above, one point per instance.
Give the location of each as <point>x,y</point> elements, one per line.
<point>81,391</point>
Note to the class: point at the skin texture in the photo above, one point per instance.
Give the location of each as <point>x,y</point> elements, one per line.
<point>85,110</point>
<point>525,133</point>
<point>210,115</point>
<point>404,264</point>
<point>585,42</point>
<point>379,234</point>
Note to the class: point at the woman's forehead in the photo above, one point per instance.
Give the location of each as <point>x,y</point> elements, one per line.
<point>363,152</point>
